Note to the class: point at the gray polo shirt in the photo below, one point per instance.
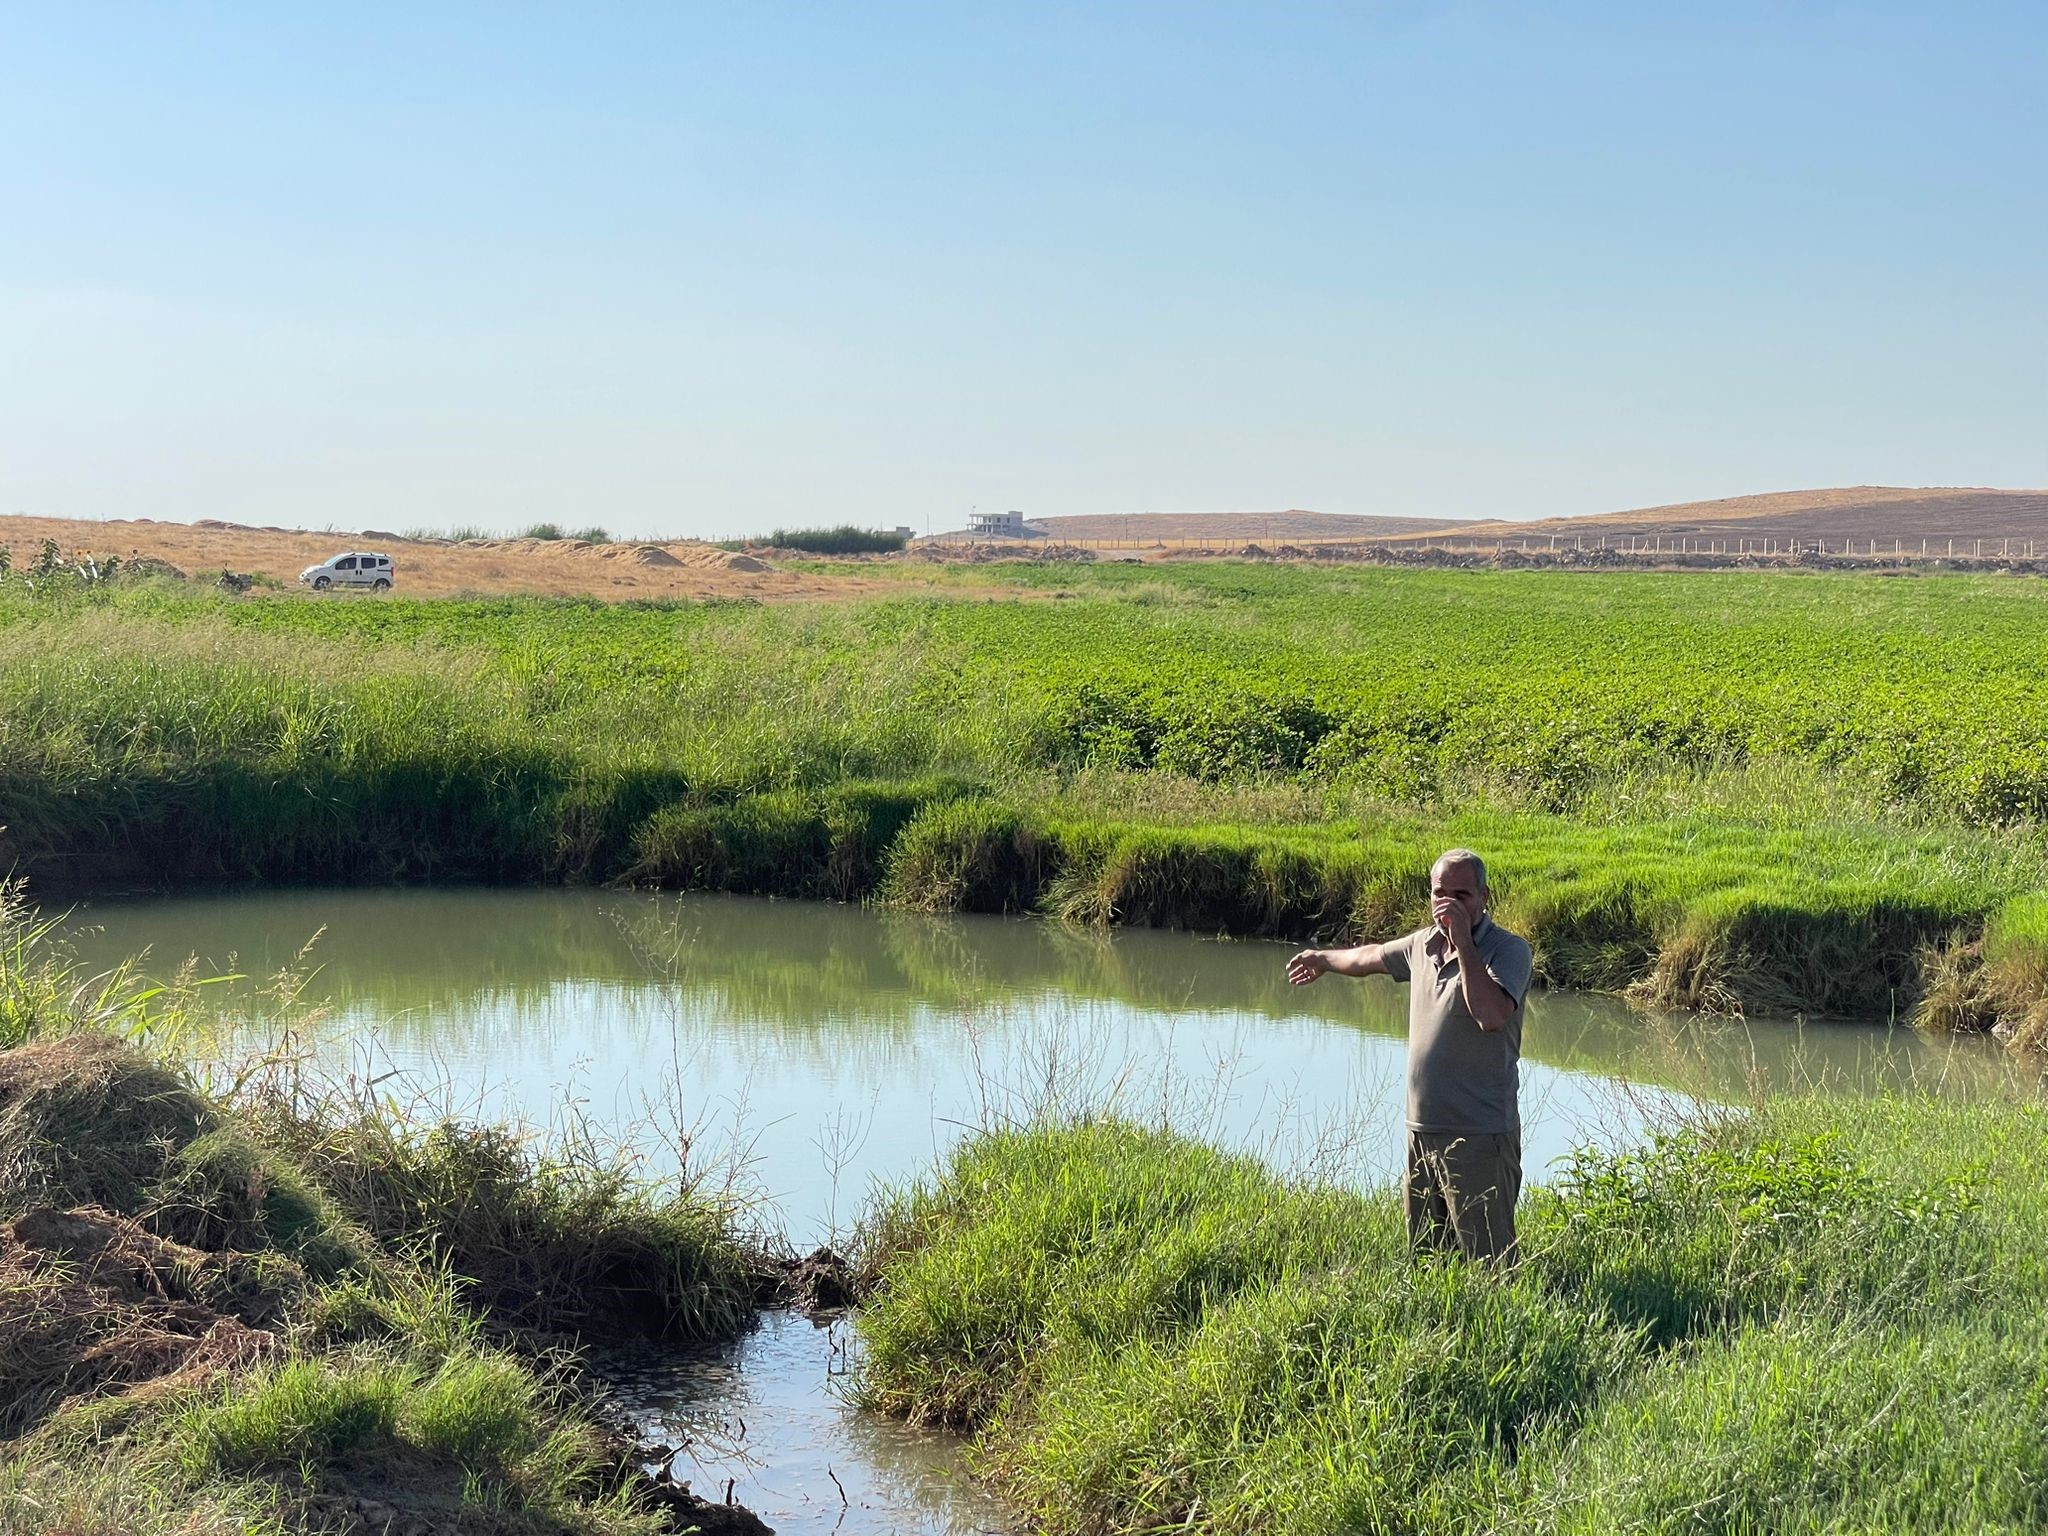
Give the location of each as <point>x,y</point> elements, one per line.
<point>1461,1077</point>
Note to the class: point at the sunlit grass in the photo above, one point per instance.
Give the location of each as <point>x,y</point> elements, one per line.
<point>1754,833</point>
<point>1813,1315</point>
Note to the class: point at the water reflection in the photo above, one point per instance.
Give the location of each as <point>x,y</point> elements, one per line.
<point>828,1047</point>
<point>767,1413</point>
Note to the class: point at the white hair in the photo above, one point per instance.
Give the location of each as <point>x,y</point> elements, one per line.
<point>1460,856</point>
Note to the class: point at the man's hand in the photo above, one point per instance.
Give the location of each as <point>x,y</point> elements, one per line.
<point>1306,966</point>
<point>1452,917</point>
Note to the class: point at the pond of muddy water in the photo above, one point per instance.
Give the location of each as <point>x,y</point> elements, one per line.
<point>812,1052</point>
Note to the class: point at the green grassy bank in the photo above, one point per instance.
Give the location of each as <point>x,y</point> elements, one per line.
<point>1820,1316</point>
<point>266,1311</point>
<point>1755,792</point>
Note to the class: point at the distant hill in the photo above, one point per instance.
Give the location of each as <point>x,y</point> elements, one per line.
<point>1292,525</point>
<point>1844,512</point>
<point>1847,512</point>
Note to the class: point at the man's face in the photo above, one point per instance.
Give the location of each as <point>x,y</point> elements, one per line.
<point>1458,883</point>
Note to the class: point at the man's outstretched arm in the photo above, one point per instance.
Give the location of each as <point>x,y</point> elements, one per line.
<point>1365,960</point>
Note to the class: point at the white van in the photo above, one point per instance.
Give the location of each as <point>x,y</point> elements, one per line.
<point>354,569</point>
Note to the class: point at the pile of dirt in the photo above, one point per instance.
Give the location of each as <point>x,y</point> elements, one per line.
<point>92,1305</point>
<point>940,552</point>
<point>151,1241</point>
<point>397,1491</point>
<point>85,1120</point>
<point>693,556</point>
<point>820,1283</point>
<point>709,557</point>
<point>109,1170</point>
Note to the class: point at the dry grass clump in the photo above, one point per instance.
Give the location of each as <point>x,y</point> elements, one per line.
<point>91,1304</point>
<point>566,1241</point>
<point>2016,969</point>
<point>1955,998</point>
<point>86,1119</point>
<point>1996,982</point>
<point>89,1120</point>
<point>200,1334</point>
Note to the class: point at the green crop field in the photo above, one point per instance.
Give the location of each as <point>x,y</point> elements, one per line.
<point>1772,790</point>
<point>1933,693</point>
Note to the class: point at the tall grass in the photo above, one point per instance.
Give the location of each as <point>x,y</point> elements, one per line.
<point>2016,967</point>
<point>821,753</point>
<point>41,994</point>
<point>1810,1427</point>
<point>555,532</point>
<point>557,1239</point>
<point>1733,1329</point>
<point>846,539</point>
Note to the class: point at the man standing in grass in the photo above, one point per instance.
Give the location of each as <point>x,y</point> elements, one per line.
<point>1467,978</point>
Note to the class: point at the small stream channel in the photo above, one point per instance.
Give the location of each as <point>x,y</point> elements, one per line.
<point>767,1415</point>
<point>816,1052</point>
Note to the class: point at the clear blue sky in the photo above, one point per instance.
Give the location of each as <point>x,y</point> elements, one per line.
<point>703,269</point>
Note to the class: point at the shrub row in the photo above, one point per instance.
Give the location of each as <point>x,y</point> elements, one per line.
<point>1681,913</point>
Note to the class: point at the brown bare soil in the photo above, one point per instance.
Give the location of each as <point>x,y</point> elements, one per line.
<point>2003,520</point>
<point>436,568</point>
<point>1899,513</point>
<point>93,1305</point>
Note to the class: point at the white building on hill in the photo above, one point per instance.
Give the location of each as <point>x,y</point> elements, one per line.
<point>997,525</point>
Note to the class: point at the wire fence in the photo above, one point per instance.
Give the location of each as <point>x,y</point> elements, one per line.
<point>1935,547</point>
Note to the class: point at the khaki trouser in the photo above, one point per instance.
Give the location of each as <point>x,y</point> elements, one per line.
<point>1460,1192</point>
